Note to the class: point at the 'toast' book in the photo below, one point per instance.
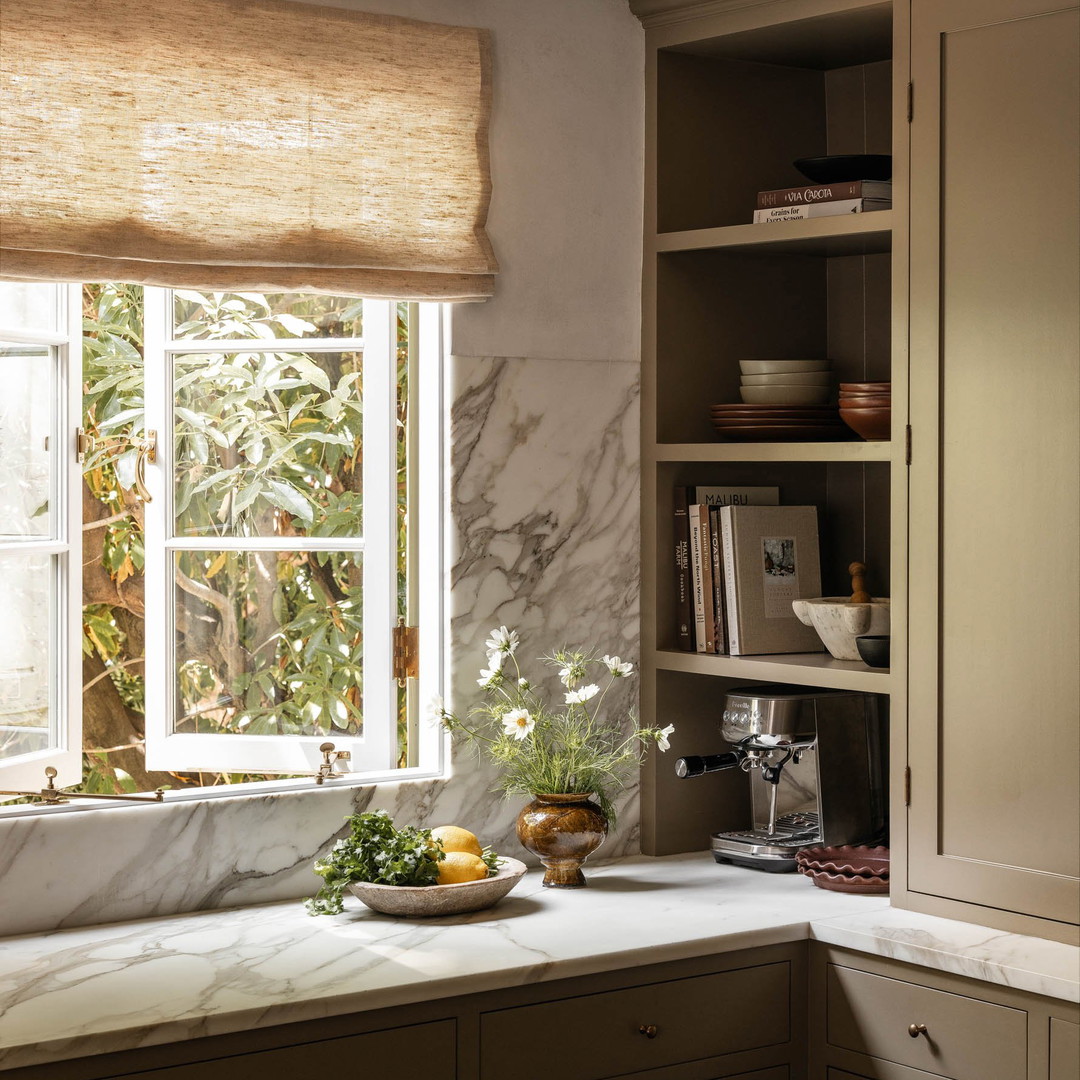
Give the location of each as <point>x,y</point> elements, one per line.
<point>770,558</point>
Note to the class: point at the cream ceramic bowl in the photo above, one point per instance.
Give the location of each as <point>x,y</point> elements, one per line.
<point>839,622</point>
<point>430,901</point>
<point>785,395</point>
<point>794,378</point>
<point>782,367</point>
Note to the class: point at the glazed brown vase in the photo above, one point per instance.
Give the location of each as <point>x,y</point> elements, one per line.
<point>563,830</point>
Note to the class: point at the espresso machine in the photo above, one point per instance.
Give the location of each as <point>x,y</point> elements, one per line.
<point>815,762</point>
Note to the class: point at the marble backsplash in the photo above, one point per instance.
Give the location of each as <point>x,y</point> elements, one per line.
<point>544,515</point>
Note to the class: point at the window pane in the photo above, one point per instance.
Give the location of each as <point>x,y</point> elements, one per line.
<point>270,315</point>
<point>268,444</point>
<point>268,643</point>
<point>26,408</point>
<point>29,305</point>
<point>27,641</point>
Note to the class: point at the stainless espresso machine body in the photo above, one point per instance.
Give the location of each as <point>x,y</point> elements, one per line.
<point>814,760</point>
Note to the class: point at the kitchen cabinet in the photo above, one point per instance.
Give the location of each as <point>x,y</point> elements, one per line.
<point>965,297</point>
<point>994,744</point>
<point>737,1016</point>
<point>888,1020</point>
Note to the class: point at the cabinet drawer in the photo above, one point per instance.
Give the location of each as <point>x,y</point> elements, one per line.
<point>376,1053</point>
<point>1064,1050</point>
<point>598,1035</point>
<point>966,1039</point>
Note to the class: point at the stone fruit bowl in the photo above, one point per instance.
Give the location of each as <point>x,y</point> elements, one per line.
<point>839,622</point>
<point>430,901</point>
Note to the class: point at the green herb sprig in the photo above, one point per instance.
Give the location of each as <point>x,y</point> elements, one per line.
<point>377,852</point>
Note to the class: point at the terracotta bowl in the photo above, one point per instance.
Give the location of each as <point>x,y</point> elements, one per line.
<point>852,859</point>
<point>431,901</point>
<point>865,401</point>
<point>866,387</point>
<point>871,424</point>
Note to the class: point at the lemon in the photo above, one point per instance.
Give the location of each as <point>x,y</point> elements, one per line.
<point>461,866</point>
<point>455,838</point>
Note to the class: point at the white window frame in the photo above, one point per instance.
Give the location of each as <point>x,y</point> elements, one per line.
<point>372,755</point>
<point>64,547</point>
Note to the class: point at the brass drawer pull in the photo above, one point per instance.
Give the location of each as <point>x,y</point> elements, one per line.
<point>915,1030</point>
<point>648,1030</point>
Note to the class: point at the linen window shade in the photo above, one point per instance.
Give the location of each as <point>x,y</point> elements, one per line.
<point>244,144</point>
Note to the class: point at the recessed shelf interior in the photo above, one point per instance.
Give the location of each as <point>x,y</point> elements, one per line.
<point>716,307</point>
<point>852,499</point>
<point>733,113</point>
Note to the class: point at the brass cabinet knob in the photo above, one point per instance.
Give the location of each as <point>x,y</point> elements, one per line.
<point>915,1030</point>
<point>648,1030</point>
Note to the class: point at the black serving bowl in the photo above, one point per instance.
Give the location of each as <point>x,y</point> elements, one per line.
<point>836,168</point>
<point>874,649</point>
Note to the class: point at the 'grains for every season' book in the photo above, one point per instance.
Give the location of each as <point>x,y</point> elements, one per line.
<point>770,558</point>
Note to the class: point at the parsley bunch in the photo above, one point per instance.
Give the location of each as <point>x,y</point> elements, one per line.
<point>376,852</point>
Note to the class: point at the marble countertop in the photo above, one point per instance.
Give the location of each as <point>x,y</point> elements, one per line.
<point>98,989</point>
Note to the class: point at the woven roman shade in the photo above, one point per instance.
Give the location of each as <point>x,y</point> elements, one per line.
<point>244,144</point>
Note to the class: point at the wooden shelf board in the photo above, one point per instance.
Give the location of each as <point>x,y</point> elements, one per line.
<point>813,451</point>
<point>807,669</point>
<point>845,234</point>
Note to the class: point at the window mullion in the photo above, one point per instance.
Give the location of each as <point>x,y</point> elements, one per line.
<point>380,526</point>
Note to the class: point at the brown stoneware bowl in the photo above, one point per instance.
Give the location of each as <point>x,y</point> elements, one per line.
<point>871,424</point>
<point>865,401</point>
<point>866,387</point>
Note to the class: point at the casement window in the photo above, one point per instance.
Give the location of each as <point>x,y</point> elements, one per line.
<point>290,472</point>
<point>40,536</point>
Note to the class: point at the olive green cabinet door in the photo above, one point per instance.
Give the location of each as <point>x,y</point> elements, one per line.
<point>994,495</point>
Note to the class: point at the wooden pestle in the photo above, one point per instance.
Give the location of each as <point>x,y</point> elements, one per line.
<point>859,595</point>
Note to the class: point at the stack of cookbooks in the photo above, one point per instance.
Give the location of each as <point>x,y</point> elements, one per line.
<point>740,560</point>
<point>823,200</point>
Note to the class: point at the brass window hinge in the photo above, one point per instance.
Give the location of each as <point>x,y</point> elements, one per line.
<point>146,448</point>
<point>406,652</point>
<point>910,102</point>
<point>907,786</point>
<point>907,445</point>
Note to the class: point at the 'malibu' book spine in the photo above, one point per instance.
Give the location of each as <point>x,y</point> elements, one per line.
<point>812,193</point>
<point>684,612</point>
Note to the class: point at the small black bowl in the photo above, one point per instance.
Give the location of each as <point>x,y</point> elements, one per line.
<point>874,649</point>
<point>837,168</point>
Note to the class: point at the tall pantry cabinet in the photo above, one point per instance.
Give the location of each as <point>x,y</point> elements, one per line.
<point>964,295</point>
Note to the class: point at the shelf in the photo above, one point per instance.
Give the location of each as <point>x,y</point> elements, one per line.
<point>846,234</point>
<point>788,451</point>
<point>806,669</point>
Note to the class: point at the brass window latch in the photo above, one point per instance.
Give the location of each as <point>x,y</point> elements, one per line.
<point>146,447</point>
<point>50,793</point>
<point>329,757</point>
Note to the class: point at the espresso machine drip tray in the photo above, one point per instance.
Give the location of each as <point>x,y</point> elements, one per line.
<point>769,851</point>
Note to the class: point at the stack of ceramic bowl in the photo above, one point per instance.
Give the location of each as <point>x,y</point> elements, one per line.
<point>785,382</point>
<point>782,401</point>
<point>866,408</point>
<point>846,869</point>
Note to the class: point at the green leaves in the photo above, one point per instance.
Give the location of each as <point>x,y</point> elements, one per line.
<point>377,852</point>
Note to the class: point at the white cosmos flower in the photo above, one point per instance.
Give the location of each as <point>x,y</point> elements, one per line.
<point>436,710</point>
<point>502,641</point>
<point>662,741</point>
<point>576,697</point>
<point>518,722</point>
<point>489,678</point>
<point>495,661</point>
<point>618,668</point>
<point>523,683</point>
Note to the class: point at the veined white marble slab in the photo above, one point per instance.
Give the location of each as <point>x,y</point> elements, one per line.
<point>1024,963</point>
<point>98,989</point>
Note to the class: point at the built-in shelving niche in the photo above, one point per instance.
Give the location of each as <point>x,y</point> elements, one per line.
<point>734,112</point>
